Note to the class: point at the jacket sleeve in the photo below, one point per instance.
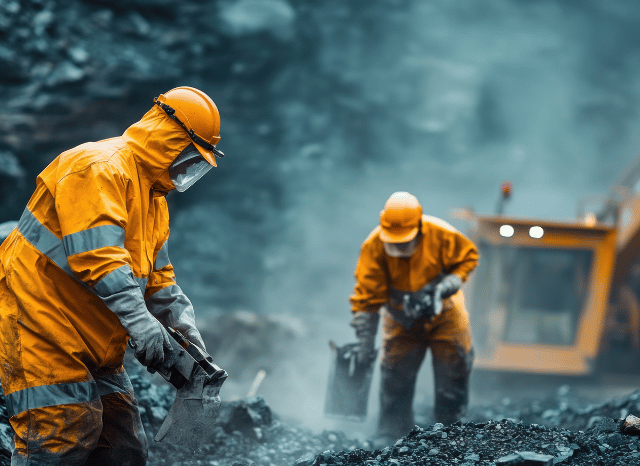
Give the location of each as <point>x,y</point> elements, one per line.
<point>459,254</point>
<point>91,205</point>
<point>371,288</point>
<point>164,297</point>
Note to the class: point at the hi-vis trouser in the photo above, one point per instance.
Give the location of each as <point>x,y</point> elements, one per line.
<point>448,336</point>
<point>64,408</point>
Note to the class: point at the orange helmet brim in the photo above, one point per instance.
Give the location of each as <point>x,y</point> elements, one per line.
<point>208,155</point>
<point>398,235</point>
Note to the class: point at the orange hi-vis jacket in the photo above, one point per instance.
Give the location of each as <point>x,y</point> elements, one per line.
<point>379,279</point>
<point>442,249</point>
<point>90,245</point>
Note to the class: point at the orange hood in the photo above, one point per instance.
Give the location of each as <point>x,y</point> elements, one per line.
<point>155,141</point>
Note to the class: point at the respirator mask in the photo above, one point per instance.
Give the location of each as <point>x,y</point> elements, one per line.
<point>407,249</point>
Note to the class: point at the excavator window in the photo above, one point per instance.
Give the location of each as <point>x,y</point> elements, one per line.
<point>530,295</point>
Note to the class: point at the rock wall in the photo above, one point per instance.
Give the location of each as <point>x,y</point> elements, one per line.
<point>327,108</point>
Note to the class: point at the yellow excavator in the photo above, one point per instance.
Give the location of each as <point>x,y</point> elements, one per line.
<point>559,297</point>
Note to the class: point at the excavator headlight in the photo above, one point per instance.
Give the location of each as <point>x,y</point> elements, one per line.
<point>506,231</point>
<point>536,232</point>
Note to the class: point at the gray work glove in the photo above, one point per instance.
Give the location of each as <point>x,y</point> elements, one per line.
<point>447,287</point>
<point>193,335</point>
<point>149,338</point>
<point>184,322</point>
<point>366,327</point>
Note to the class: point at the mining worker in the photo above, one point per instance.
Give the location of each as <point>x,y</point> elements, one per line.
<point>411,268</point>
<point>86,269</point>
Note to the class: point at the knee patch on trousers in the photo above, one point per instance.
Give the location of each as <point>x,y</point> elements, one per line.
<point>57,435</point>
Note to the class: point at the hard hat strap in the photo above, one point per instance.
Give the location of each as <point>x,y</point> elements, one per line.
<point>171,113</point>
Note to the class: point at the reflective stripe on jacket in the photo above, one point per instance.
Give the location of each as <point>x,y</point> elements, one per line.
<point>67,393</point>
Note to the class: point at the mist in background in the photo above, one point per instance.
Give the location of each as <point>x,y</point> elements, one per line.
<point>327,108</point>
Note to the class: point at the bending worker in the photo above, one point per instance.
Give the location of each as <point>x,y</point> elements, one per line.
<point>412,267</point>
<point>86,269</point>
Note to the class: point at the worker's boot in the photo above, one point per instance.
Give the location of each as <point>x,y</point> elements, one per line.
<point>452,386</point>
<point>397,388</point>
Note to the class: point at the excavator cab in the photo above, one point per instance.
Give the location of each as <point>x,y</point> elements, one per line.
<point>539,296</point>
<point>559,297</point>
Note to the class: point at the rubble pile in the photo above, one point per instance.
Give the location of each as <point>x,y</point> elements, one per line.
<point>497,443</point>
<point>244,436</point>
<point>247,432</point>
<point>616,408</point>
<point>559,409</point>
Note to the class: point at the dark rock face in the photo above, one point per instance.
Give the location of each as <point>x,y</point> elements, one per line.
<point>77,71</point>
<point>310,94</point>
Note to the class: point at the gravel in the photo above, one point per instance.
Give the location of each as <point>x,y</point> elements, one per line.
<point>497,442</point>
<point>248,433</point>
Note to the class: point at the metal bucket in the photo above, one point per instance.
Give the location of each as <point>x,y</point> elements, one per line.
<point>349,384</point>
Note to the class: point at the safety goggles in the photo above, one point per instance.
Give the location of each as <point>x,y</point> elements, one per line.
<point>194,137</point>
<point>188,167</point>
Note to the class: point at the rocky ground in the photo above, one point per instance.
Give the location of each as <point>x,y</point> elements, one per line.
<point>498,443</point>
<point>543,422</point>
<point>558,426</point>
<point>248,433</point>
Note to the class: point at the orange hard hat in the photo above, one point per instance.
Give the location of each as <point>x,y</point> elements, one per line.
<point>400,219</point>
<point>198,115</point>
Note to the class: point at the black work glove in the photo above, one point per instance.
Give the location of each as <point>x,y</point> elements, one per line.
<point>447,287</point>
<point>421,303</point>
<point>418,307</point>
